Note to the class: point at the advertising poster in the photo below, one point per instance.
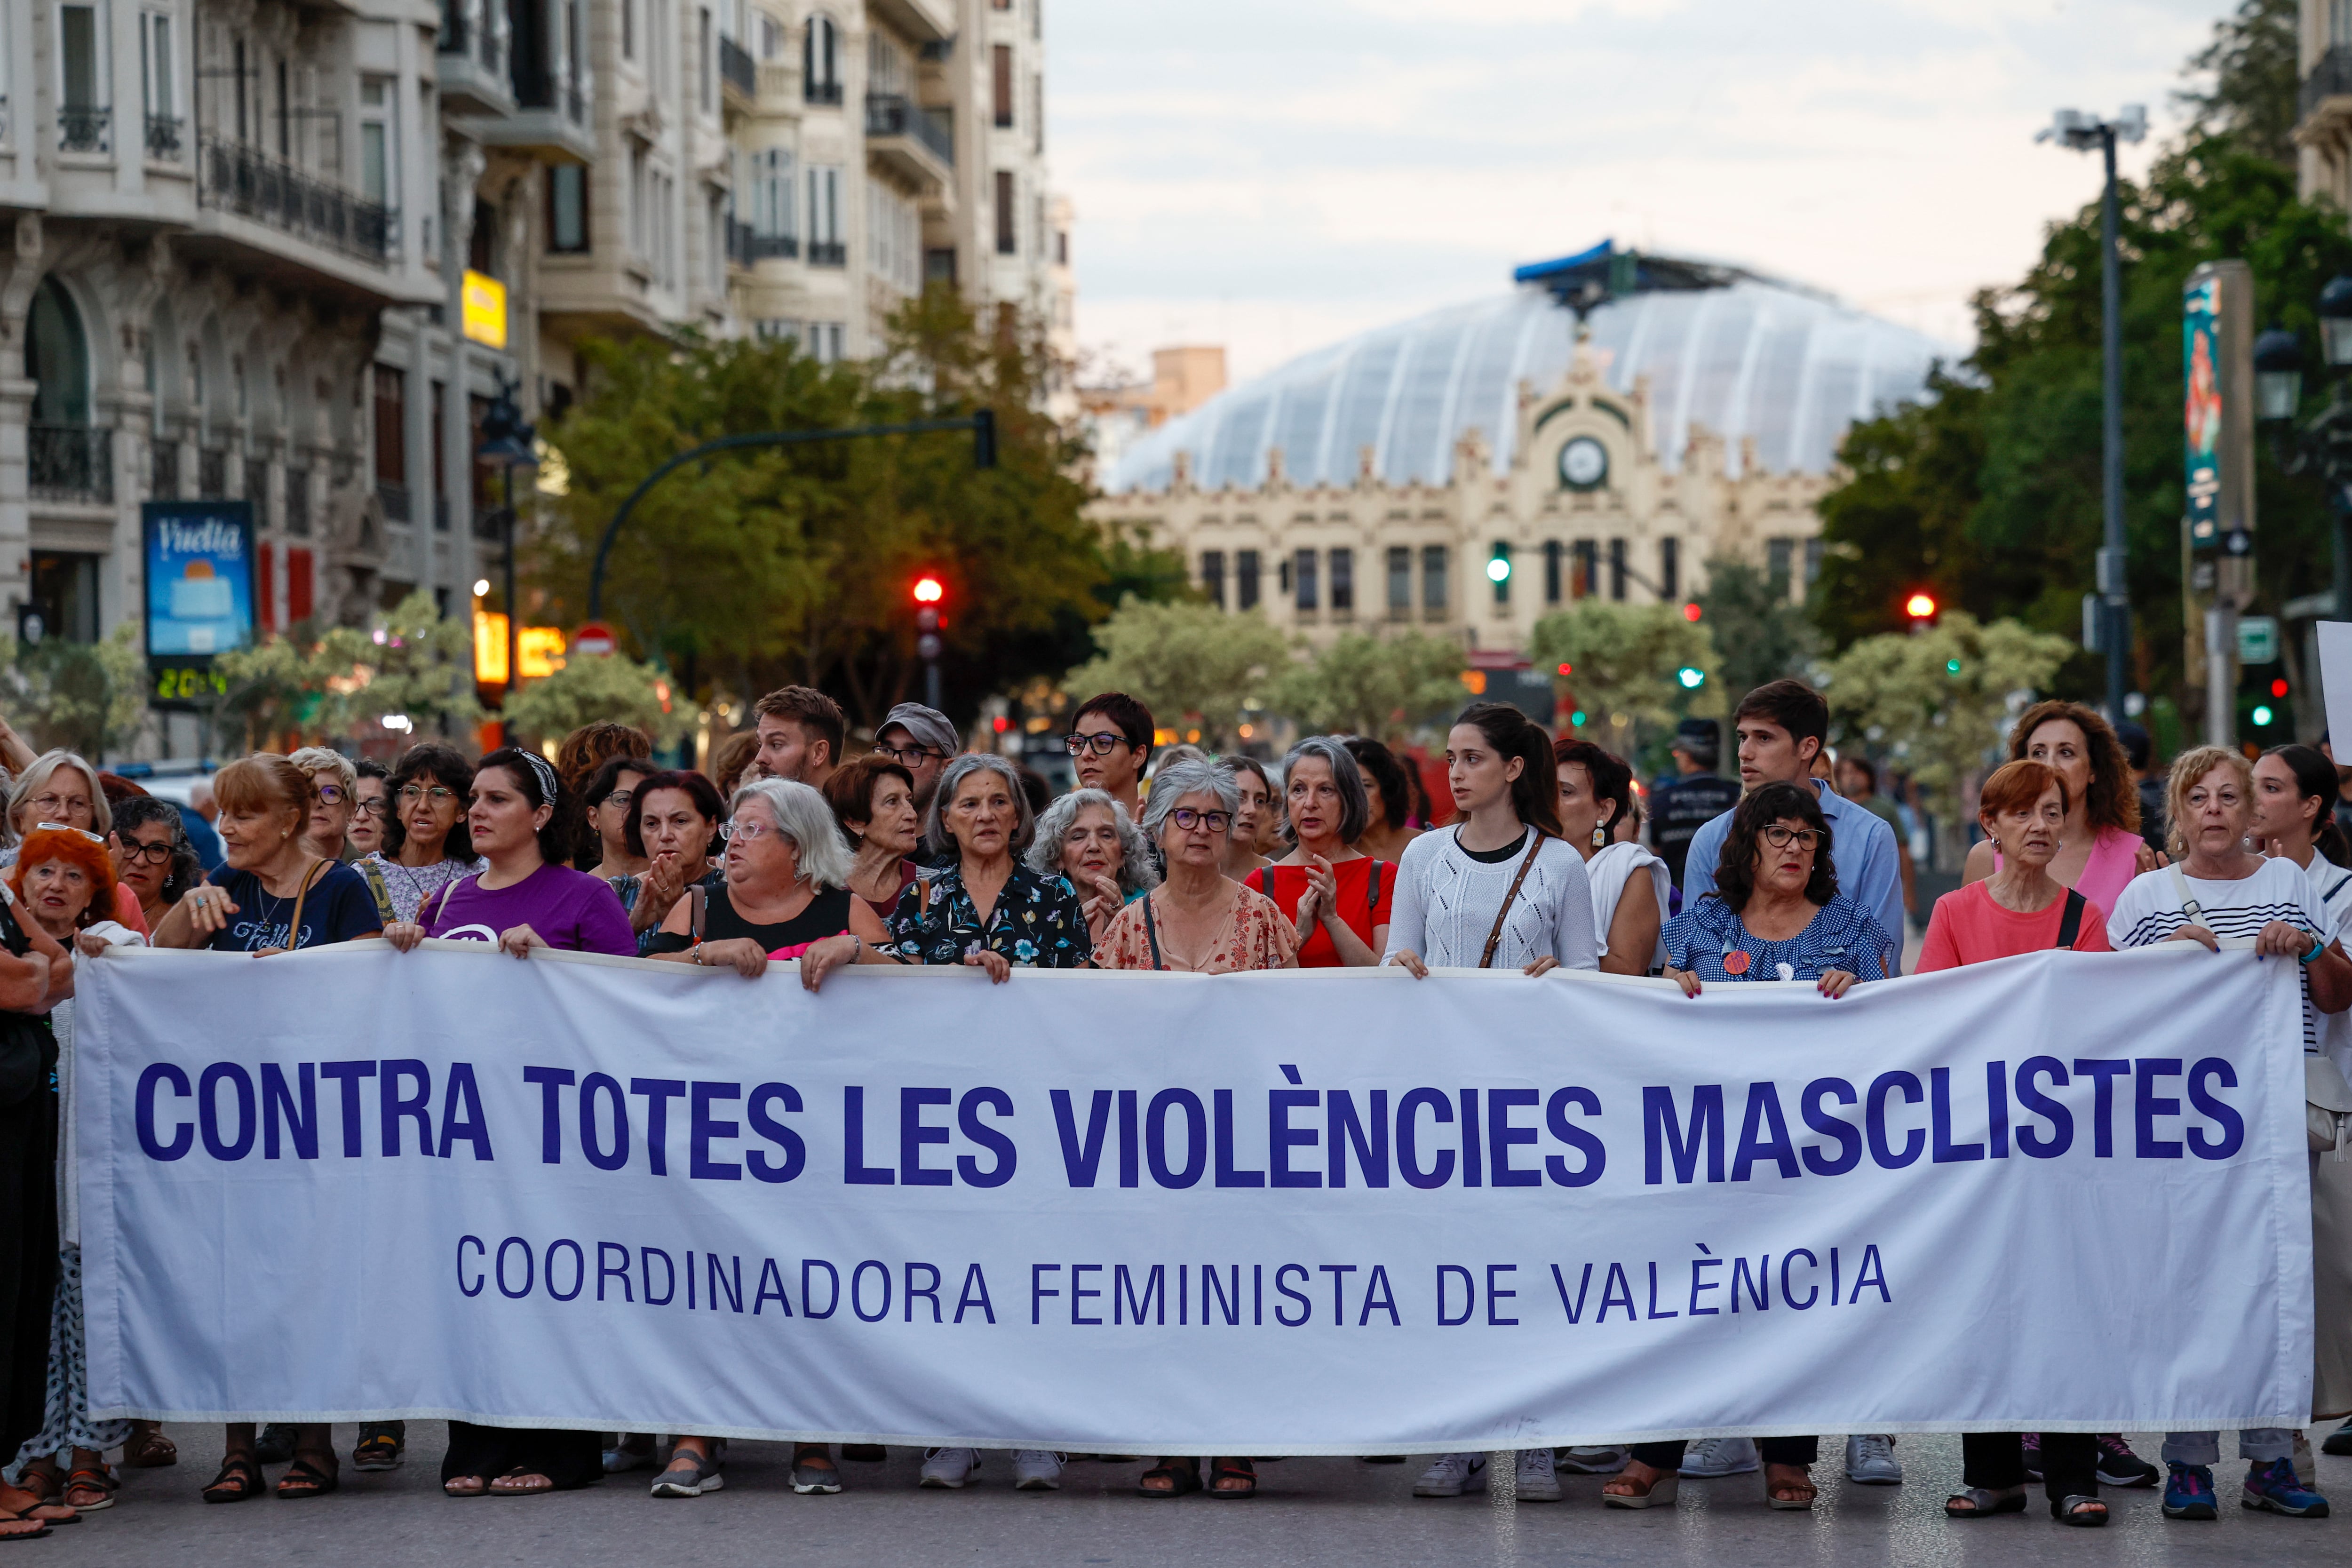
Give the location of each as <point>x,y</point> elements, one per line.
<point>2202,349</point>
<point>199,578</point>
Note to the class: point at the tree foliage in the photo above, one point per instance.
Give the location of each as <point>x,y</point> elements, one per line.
<point>1758,636</point>
<point>412,662</point>
<point>1187,661</point>
<point>86,697</point>
<point>1623,666</point>
<point>609,686</point>
<point>2255,68</point>
<point>1369,685</point>
<point>764,565</point>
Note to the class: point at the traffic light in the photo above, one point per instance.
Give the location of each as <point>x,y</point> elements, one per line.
<point>1692,677</point>
<point>930,595</point>
<point>2278,687</point>
<point>1690,612</point>
<point>1921,608</point>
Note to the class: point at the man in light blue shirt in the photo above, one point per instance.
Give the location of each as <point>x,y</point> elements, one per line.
<point>1781,727</point>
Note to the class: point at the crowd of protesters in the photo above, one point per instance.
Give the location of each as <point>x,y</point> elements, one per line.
<point>920,852</point>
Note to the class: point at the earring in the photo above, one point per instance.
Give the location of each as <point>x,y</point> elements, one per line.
<point>1600,836</point>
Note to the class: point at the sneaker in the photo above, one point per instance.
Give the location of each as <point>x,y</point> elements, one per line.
<point>635,1451</point>
<point>2188,1493</point>
<point>949,1467</point>
<point>2338,1441</point>
<point>1036,1470</point>
<point>1593,1459</point>
<point>815,1480</point>
<point>275,1445</point>
<point>2273,1485</point>
<point>2032,1443</point>
<point>1870,1461</point>
<point>2118,1466</point>
<point>1452,1475</point>
<point>1536,1480</point>
<point>690,1475</point>
<point>1711,1457</point>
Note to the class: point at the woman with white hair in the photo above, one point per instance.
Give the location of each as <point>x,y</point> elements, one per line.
<point>987,908</point>
<point>62,789</point>
<point>1338,897</point>
<point>1087,838</point>
<point>1198,921</point>
<point>334,791</point>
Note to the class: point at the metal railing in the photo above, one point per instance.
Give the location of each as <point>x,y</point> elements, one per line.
<point>164,469</point>
<point>395,501</point>
<point>212,475</point>
<point>827,253</point>
<point>737,67</point>
<point>69,462</point>
<point>459,36</point>
<point>163,136</point>
<point>2331,77</point>
<point>745,245</point>
<point>83,129</point>
<point>821,91</point>
<point>888,114</point>
<point>242,180</point>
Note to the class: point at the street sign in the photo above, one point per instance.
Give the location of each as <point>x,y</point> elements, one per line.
<point>2257,639</point>
<point>595,638</point>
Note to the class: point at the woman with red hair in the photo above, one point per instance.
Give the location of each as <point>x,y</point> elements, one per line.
<point>63,881</point>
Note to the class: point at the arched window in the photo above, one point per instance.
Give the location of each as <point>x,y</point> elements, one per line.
<point>57,357</point>
<point>821,61</point>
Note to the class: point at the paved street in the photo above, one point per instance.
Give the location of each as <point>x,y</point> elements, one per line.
<point>1307,1512</point>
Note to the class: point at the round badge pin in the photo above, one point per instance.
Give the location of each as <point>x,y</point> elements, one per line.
<point>1734,963</point>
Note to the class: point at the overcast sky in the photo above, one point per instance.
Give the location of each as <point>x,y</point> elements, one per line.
<point>1274,175</point>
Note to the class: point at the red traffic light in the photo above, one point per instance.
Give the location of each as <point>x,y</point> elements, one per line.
<point>1920,607</point>
<point>2278,688</point>
<point>929,590</point>
<point>1566,669</point>
<point>1690,612</point>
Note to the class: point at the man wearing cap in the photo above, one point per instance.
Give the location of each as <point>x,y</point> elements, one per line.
<point>920,739</point>
<point>1695,797</point>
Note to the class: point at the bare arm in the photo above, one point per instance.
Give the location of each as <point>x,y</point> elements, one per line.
<point>1979,865</point>
<point>1633,928</point>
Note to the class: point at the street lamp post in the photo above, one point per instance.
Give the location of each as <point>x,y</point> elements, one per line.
<point>2324,444</point>
<point>2073,129</point>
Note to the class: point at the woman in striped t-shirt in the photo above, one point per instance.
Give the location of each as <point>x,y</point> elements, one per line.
<point>2217,889</point>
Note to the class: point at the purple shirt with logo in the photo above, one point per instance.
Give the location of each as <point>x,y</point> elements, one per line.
<point>573,910</point>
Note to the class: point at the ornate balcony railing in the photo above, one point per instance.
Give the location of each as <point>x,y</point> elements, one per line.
<point>827,253</point>
<point>240,179</point>
<point>888,114</point>
<point>83,130</point>
<point>736,64</point>
<point>821,91</point>
<point>2330,78</point>
<point>70,463</point>
<point>164,136</point>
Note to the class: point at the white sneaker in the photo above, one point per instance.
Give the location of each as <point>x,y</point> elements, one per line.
<point>1593,1458</point>
<point>1452,1475</point>
<point>949,1467</point>
<point>1870,1461</point>
<point>1710,1457</point>
<point>1536,1481</point>
<point>1036,1470</point>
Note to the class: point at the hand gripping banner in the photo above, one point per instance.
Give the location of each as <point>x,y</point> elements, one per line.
<point>1320,1213</point>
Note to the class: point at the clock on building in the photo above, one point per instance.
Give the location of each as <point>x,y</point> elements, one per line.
<point>1583,464</point>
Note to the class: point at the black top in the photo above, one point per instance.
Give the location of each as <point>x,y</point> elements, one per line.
<point>828,915</point>
<point>29,1051</point>
<point>1492,856</point>
<point>1678,810</point>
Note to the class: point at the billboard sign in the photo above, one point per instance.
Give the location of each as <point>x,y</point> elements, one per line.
<point>2217,314</point>
<point>199,574</point>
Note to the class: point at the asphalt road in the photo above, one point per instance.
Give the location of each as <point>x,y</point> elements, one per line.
<point>1338,1512</point>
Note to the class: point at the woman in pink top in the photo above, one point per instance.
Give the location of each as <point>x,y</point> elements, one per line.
<point>2099,848</point>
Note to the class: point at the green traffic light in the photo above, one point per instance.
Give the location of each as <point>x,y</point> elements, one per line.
<point>2262,716</point>
<point>1951,666</point>
<point>1577,719</point>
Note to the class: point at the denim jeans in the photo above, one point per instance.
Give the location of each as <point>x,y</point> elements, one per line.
<point>2260,1443</point>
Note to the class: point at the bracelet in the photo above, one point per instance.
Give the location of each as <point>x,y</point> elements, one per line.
<point>694,954</point>
<point>2318,946</point>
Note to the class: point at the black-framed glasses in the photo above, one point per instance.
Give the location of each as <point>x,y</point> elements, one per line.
<point>369,805</point>
<point>329,794</point>
<point>1780,837</point>
<point>409,794</point>
<point>624,798</point>
<point>907,757</point>
<point>140,854</point>
<point>1186,818</point>
<point>1100,742</point>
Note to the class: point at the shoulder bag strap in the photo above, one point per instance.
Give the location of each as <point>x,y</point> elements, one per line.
<point>294,926</point>
<point>2188,904</point>
<point>1263,878</point>
<point>694,910</point>
<point>2070,924</point>
<point>1372,889</point>
<point>1151,932</point>
<point>1495,937</point>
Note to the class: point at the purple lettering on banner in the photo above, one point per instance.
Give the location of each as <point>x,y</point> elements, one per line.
<point>1940,1109</point>
<point>594,1085</point>
<point>1000,1149</point>
<point>1081,1157</point>
<point>833,1277</point>
<point>1496,1294</point>
<point>208,1107</point>
<point>297,1109</point>
<point>1836,1128</point>
<point>1338,1273</point>
<point>658,1093</point>
<point>1281,1287</point>
<point>2105,1071</point>
<point>1664,1135</point>
<point>184,1136</point>
<point>1764,1134</point>
<point>392,1107</point>
<point>480,1246</point>
<point>1155,1138</point>
<point>1228,1175</point>
<point>707,1130</point>
<point>1441,1108</point>
<point>974,1294</point>
<point>1281,1138</point>
<point>461,1114</point>
<point>1915,1140</point>
<point>2214,1070</point>
<point>1369,1138</point>
<point>930,1293</point>
<point>1469,1295</point>
<point>1379,1296</point>
<point>776,1132</point>
<point>1502,1137</point>
<point>915,1135</point>
<point>2147,1109</point>
<point>552,1082</point>
<point>2033,1102</point>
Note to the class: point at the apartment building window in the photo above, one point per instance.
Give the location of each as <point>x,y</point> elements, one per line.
<point>1000,60</point>
<point>1008,210</point>
<point>826,247</point>
<point>392,440</point>
<point>1212,576</point>
<point>1552,557</point>
<point>1587,580</point>
<point>1400,563</point>
<point>440,439</point>
<point>771,37</point>
<point>664,219</point>
<point>379,147</point>
<point>777,330</point>
<point>821,61</point>
<point>714,240</point>
<point>1343,581</point>
<point>706,63</point>
<point>886,67</point>
<point>1436,597</point>
<point>1037,112</point>
<point>1617,570</point>
<point>567,209</point>
<point>1670,569</point>
<point>828,342</point>
<point>1814,548</point>
<point>1303,580</point>
<point>772,207</point>
<point>1779,555</point>
<point>894,237</point>
<point>158,85</point>
<point>82,77</point>
<point>2339,23</point>
<point>629,29</point>
<point>1246,579</point>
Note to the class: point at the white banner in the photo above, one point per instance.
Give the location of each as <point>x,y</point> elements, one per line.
<point>1338,1212</point>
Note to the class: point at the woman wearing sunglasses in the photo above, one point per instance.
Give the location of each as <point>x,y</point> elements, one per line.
<point>426,847</point>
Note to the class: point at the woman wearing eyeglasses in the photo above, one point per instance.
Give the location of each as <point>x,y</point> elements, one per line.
<point>332,782</point>
<point>371,803</point>
<point>611,799</point>
<point>60,787</point>
<point>426,847</point>
<point>152,857</point>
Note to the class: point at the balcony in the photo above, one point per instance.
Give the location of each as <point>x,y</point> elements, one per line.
<point>902,135</point>
<point>82,129</point>
<point>470,64</point>
<point>69,462</point>
<point>827,253</point>
<point>745,245</point>
<point>212,475</point>
<point>164,138</point>
<point>738,70</point>
<point>164,469</point>
<point>395,501</point>
<point>825,92</point>
<point>925,22</point>
<point>550,119</point>
<point>298,502</point>
<point>242,180</point>
<point>2330,79</point>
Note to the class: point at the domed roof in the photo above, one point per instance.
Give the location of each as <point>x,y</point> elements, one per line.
<point>1791,367</point>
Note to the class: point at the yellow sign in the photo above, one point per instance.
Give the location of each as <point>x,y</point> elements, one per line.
<point>484,302</point>
<point>540,650</point>
<point>489,648</point>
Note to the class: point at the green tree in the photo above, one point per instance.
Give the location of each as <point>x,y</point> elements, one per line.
<point>1187,662</point>
<point>412,662</point>
<point>86,697</point>
<point>1940,700</point>
<point>2256,63</point>
<point>1625,665</point>
<point>1369,685</point>
<point>592,687</point>
<point>1758,634</point>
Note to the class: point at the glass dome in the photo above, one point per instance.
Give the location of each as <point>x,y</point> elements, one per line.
<point>1789,367</point>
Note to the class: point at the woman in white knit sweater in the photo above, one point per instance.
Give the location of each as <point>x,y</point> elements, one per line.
<point>1503,857</point>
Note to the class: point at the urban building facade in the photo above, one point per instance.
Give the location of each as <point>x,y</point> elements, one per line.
<point>1470,471</point>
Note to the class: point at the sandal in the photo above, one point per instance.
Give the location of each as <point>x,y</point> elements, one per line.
<point>304,1480</point>
<point>36,1507</point>
<point>1803,1487</point>
<point>1659,1493</point>
<point>379,1449</point>
<point>521,1473</point>
<point>465,1486</point>
<point>89,1489</point>
<point>1983,1503</point>
<point>148,1448</point>
<point>2086,1512</point>
<point>19,1527</point>
<point>1178,1477</point>
<point>1225,1470</point>
<point>239,1479</point>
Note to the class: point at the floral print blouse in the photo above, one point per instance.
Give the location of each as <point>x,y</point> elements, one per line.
<point>1037,922</point>
<point>1255,935</point>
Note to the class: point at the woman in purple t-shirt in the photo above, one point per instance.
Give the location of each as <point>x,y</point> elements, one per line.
<point>527,899</point>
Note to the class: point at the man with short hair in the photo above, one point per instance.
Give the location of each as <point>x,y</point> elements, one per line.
<point>800,730</point>
<point>1679,809</point>
<point>2140,749</point>
<point>1110,745</point>
<point>1857,780</point>
<point>920,739</point>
